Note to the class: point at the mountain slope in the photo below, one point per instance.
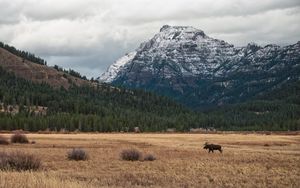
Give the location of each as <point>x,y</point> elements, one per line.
<point>85,108</point>
<point>35,72</point>
<point>109,109</point>
<point>199,71</point>
<point>36,97</point>
<point>277,110</point>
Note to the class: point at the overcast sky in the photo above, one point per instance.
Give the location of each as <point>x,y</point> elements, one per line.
<point>89,35</point>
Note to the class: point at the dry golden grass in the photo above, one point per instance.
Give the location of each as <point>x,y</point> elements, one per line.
<point>247,161</point>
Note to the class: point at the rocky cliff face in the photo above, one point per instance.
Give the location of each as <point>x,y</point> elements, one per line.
<point>200,71</point>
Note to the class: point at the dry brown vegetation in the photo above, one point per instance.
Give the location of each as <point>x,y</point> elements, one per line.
<point>37,73</point>
<point>3,140</point>
<point>77,154</point>
<point>19,138</point>
<point>19,161</point>
<point>247,161</point>
<point>131,155</point>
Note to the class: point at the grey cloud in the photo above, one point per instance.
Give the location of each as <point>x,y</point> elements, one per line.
<point>93,64</point>
<point>43,10</point>
<point>10,12</point>
<point>66,9</point>
<point>190,9</point>
<point>135,11</point>
<point>89,35</point>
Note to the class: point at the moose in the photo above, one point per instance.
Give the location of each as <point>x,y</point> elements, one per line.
<point>212,147</point>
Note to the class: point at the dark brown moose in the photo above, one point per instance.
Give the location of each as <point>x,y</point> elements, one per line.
<point>212,147</point>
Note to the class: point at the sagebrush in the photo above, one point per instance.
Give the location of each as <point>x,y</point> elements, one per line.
<point>19,138</point>
<point>19,161</point>
<point>149,157</point>
<point>3,140</point>
<point>131,155</point>
<point>78,154</point>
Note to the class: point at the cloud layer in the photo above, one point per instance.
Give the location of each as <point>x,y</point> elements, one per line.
<point>89,35</point>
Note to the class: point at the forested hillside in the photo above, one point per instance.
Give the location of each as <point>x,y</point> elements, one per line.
<point>112,109</point>
<point>30,103</point>
<point>276,110</point>
<point>86,108</point>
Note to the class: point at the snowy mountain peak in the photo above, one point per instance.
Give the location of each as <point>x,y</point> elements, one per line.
<point>179,33</point>
<point>168,28</point>
<point>163,28</point>
<point>182,61</point>
<point>169,37</point>
<point>182,45</point>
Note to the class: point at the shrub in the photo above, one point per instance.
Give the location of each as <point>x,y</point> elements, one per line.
<point>19,161</point>
<point>149,157</point>
<point>78,154</point>
<point>3,140</point>
<point>131,155</point>
<point>19,138</point>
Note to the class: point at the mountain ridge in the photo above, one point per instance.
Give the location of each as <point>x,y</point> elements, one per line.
<point>38,73</point>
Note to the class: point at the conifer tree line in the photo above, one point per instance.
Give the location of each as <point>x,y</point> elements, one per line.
<point>107,109</point>
<point>70,72</point>
<point>33,107</point>
<point>104,108</point>
<point>23,54</point>
<point>31,57</point>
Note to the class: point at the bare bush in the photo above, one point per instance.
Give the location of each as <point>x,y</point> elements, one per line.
<point>78,155</point>
<point>3,140</point>
<point>19,161</point>
<point>131,155</point>
<point>19,138</point>
<point>149,157</point>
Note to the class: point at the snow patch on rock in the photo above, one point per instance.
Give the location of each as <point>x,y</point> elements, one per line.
<point>114,69</point>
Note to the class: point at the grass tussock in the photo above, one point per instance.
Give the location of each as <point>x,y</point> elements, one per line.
<point>3,140</point>
<point>39,179</point>
<point>181,161</point>
<point>19,161</point>
<point>131,155</point>
<point>19,138</point>
<point>78,154</point>
<point>149,157</point>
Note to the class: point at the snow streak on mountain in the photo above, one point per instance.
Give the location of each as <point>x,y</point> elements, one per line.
<point>197,70</point>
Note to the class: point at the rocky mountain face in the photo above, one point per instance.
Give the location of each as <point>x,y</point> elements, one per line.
<point>200,71</point>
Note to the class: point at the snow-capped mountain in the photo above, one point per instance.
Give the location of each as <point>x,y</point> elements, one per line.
<point>185,63</point>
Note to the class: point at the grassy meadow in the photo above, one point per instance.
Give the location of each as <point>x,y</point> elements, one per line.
<point>248,160</point>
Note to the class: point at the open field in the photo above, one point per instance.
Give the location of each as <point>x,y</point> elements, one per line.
<point>247,161</point>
